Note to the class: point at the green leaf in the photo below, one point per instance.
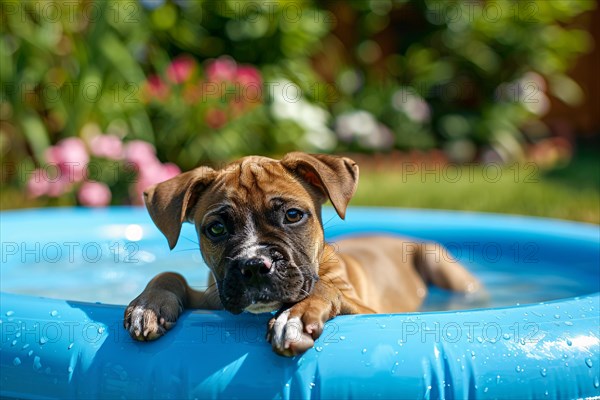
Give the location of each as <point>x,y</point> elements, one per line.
<point>36,134</point>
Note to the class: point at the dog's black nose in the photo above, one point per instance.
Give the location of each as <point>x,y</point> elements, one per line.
<point>255,266</point>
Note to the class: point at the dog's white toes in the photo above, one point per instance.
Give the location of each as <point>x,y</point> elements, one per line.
<point>287,335</point>
<point>143,324</point>
<point>136,322</point>
<point>293,332</point>
<point>277,335</point>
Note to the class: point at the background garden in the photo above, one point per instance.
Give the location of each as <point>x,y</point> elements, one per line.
<point>473,105</point>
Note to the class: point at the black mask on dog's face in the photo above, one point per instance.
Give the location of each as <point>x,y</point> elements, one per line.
<point>262,247</point>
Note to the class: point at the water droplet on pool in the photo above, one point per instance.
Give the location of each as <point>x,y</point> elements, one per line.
<point>37,363</point>
<point>26,345</point>
<point>565,356</point>
<point>497,378</point>
<point>43,340</point>
<point>342,337</point>
<point>472,354</point>
<point>364,351</point>
<point>18,334</point>
<point>17,361</point>
<point>312,385</point>
<point>588,362</point>
<point>318,348</point>
<point>569,342</point>
<point>485,389</point>
<point>543,372</point>
<point>287,385</point>
<point>393,371</point>
<point>9,313</point>
<point>30,353</point>
<point>568,323</point>
<point>506,336</point>
<point>546,393</point>
<point>101,330</point>
<point>556,316</point>
<point>596,382</point>
<point>479,339</point>
<point>519,369</point>
<point>54,313</point>
<point>70,346</point>
<point>14,342</point>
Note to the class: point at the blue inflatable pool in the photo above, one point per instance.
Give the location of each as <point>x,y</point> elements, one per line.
<point>537,337</point>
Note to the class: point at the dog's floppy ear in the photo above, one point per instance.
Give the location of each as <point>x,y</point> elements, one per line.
<point>169,203</point>
<point>336,177</point>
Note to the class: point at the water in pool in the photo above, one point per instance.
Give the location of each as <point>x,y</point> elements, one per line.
<point>124,269</point>
<point>111,262</point>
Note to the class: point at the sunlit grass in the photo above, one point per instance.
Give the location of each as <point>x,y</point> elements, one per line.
<point>519,189</point>
<point>569,193</point>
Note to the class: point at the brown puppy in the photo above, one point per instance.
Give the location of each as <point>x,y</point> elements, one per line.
<point>259,225</point>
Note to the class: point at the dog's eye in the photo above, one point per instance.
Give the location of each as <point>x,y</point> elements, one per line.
<point>216,229</point>
<point>292,215</point>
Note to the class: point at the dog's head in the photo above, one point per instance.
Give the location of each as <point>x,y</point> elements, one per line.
<point>258,222</point>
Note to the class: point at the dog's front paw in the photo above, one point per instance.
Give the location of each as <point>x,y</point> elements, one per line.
<point>151,314</point>
<point>293,331</point>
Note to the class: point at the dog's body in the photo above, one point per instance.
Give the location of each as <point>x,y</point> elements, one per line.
<point>260,231</point>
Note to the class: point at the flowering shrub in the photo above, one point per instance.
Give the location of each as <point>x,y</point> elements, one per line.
<point>225,91</point>
<point>195,82</point>
<point>99,171</point>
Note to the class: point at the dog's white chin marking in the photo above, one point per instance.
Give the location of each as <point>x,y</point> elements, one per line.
<point>258,308</point>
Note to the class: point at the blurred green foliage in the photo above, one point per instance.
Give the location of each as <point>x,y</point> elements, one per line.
<point>458,75</point>
<point>65,65</point>
<point>462,75</point>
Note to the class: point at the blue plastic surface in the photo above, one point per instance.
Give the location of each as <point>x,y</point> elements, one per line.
<point>52,348</point>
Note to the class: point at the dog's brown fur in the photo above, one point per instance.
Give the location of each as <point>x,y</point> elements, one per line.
<point>360,275</point>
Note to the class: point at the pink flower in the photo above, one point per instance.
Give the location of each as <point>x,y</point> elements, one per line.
<point>152,174</point>
<point>248,75</point>
<point>221,69</point>
<point>48,181</point>
<point>169,171</point>
<point>59,185</point>
<point>37,184</point>
<point>215,118</point>
<point>71,158</point>
<point>181,69</point>
<point>109,146</point>
<point>141,153</point>
<point>156,88</point>
<point>94,194</point>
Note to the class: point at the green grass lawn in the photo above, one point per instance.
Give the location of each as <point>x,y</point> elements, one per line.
<point>570,193</point>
